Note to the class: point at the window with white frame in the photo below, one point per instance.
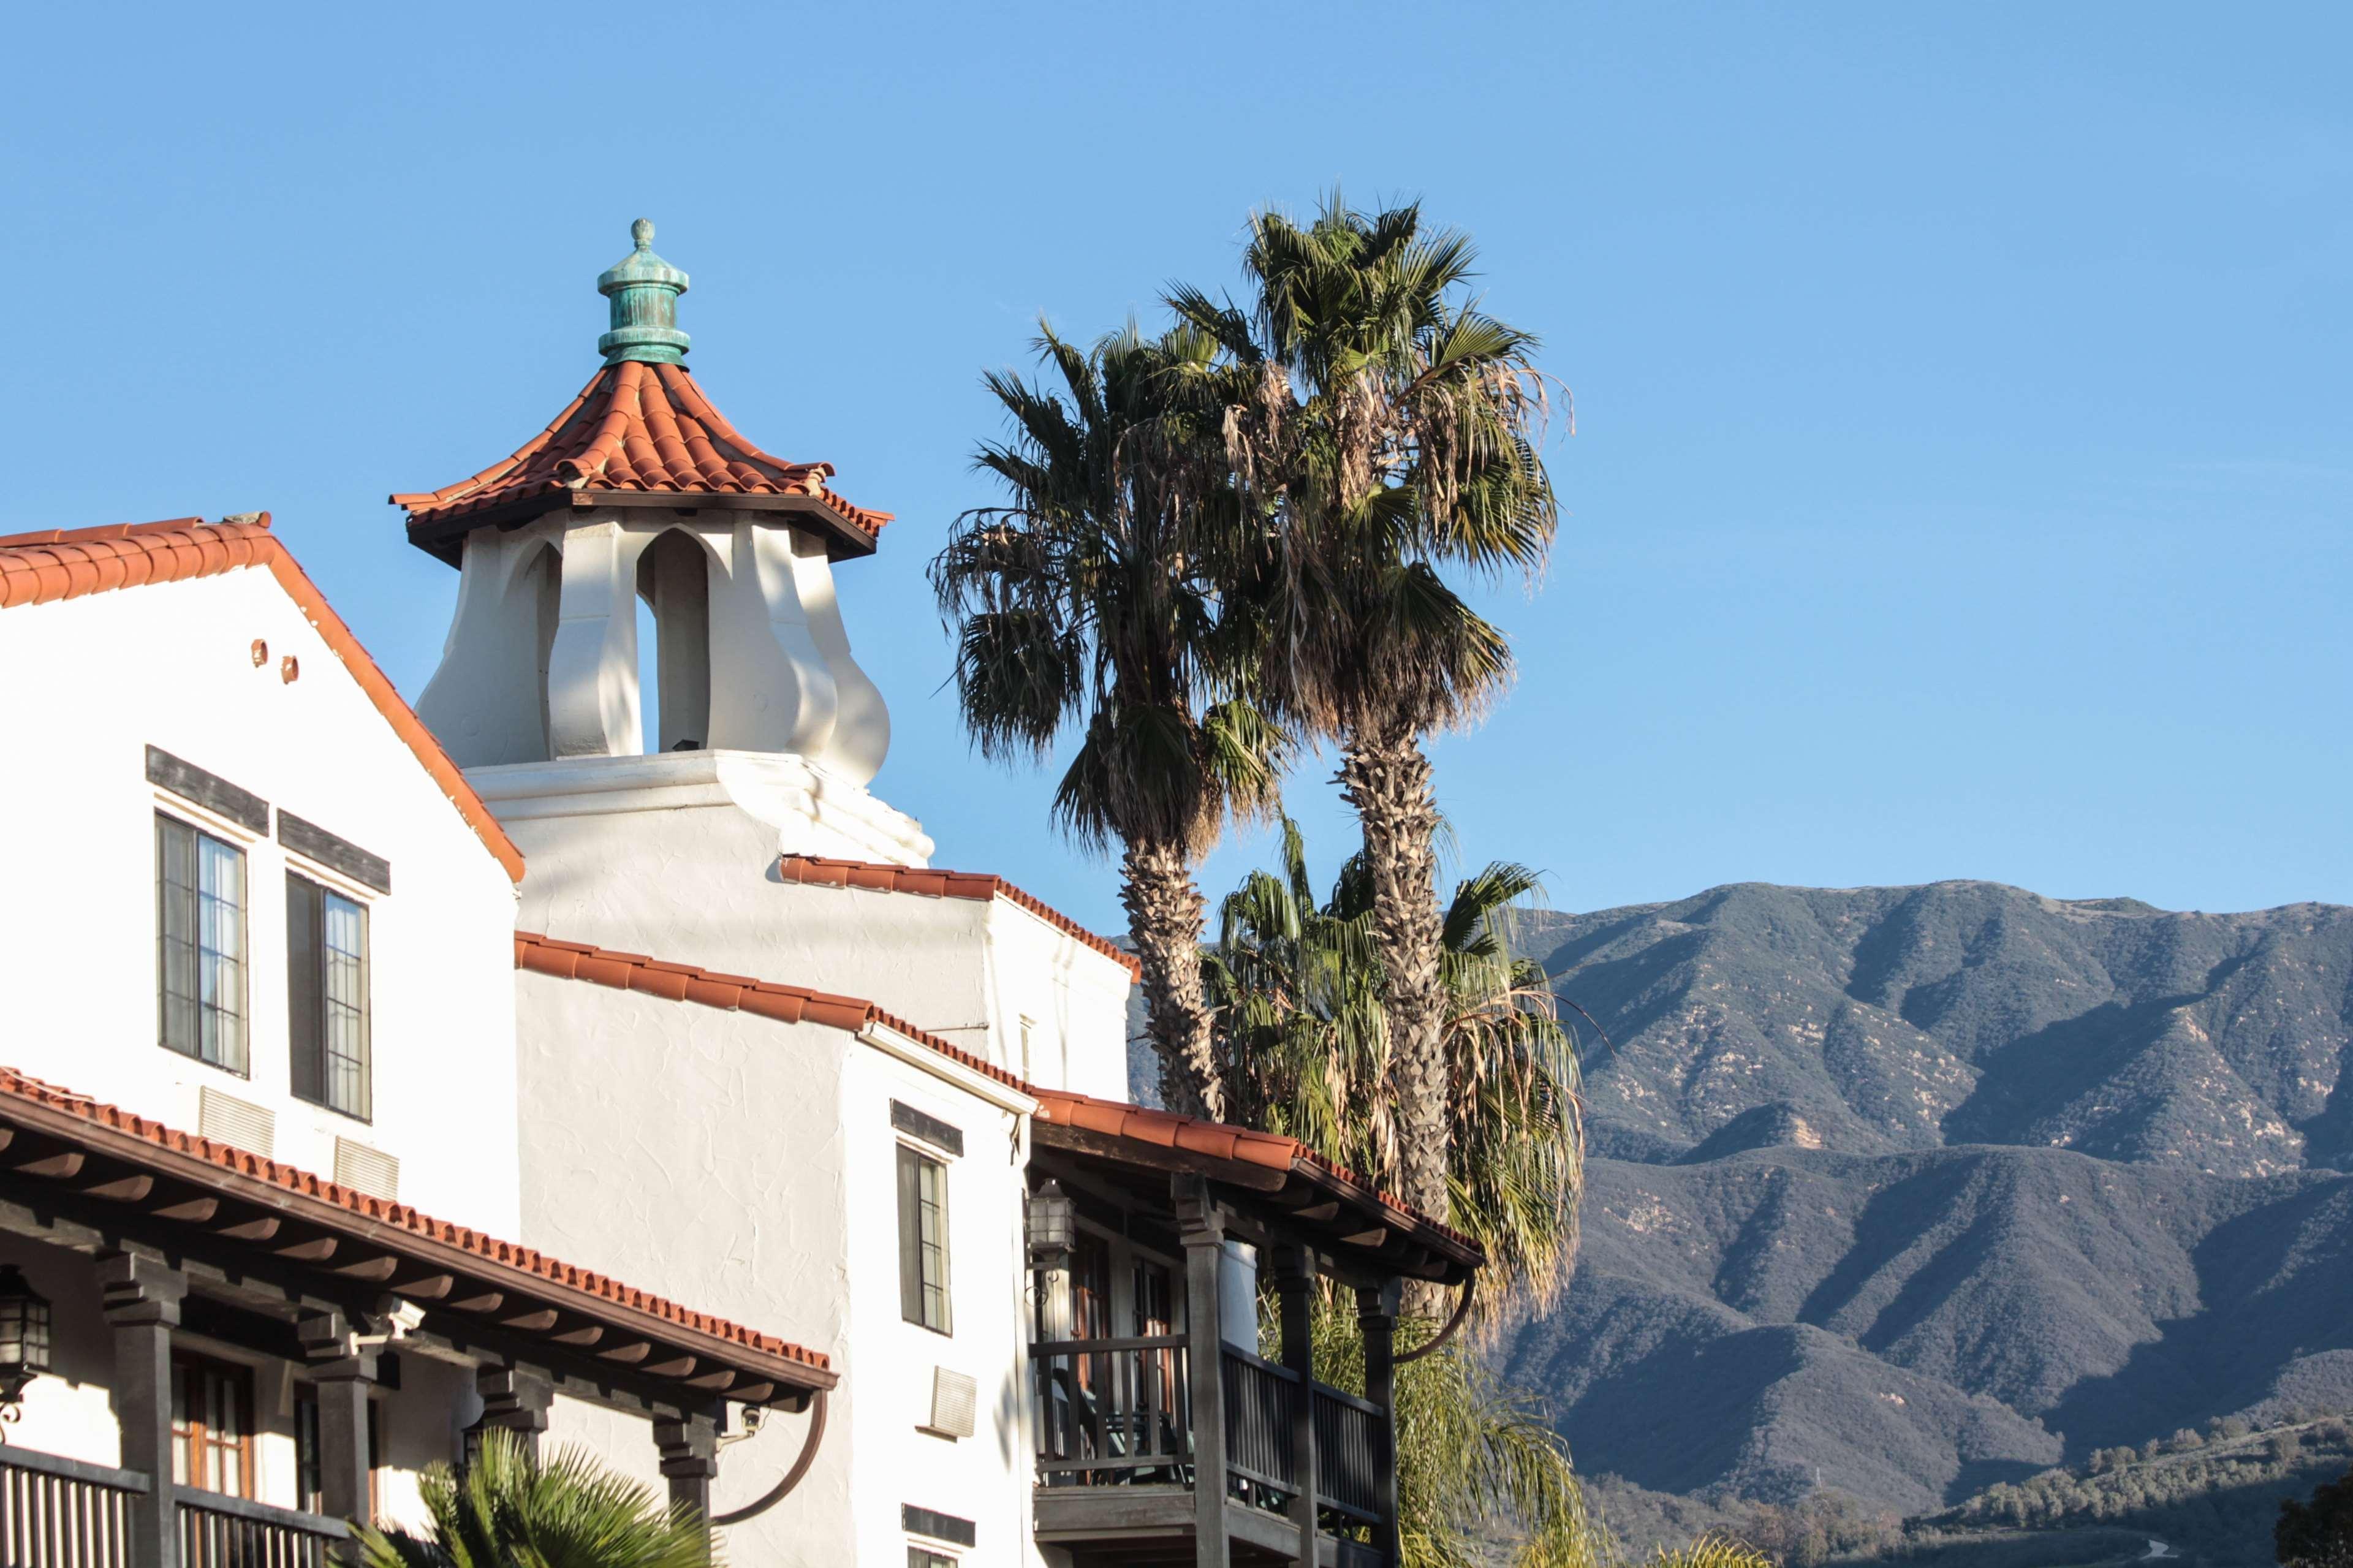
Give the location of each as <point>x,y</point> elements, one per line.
<point>200,968</point>
<point>327,997</point>
<point>924,1239</point>
<point>925,1557</point>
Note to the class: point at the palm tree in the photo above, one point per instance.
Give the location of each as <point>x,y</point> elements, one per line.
<point>507,1508</point>
<point>1390,430</point>
<point>1304,1044</point>
<point>1087,602</point>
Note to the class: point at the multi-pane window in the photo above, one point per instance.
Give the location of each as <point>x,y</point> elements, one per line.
<point>327,997</point>
<point>922,1240</point>
<point>925,1557</point>
<point>200,943</point>
<point>212,1425</point>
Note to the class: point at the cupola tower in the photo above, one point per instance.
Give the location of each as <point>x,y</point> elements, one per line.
<point>640,489</point>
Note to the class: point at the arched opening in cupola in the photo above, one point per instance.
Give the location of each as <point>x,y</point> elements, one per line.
<point>674,642</point>
<point>543,580</point>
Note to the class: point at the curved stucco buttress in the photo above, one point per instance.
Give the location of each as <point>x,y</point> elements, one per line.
<point>861,734</point>
<point>770,689</point>
<point>486,702</point>
<point>592,673</point>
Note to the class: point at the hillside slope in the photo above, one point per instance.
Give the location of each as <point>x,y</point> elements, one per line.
<point>1907,1192</point>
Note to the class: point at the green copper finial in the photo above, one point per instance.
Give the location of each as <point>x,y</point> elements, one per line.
<point>644,289</point>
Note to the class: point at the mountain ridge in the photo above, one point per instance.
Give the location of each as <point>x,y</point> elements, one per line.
<point>1905,1192</point>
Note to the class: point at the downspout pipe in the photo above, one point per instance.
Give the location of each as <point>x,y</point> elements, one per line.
<point>793,1477</point>
<point>1454,1326</point>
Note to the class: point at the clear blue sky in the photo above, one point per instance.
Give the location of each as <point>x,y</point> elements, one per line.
<point>1965,432</point>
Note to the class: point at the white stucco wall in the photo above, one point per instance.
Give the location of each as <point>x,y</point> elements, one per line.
<point>85,685</point>
<point>676,856</point>
<point>746,1166</point>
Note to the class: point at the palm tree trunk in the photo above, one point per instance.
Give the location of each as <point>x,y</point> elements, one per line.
<point>1386,776</point>
<point>1164,915</point>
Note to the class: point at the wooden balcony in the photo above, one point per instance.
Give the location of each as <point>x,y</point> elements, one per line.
<point>61,1513</point>
<point>1178,1445</point>
<point>1117,1459</point>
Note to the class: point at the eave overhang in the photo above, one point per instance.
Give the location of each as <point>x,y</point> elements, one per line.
<point>112,1180</point>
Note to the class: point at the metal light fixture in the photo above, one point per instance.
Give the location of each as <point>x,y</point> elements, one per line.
<point>23,1338</point>
<point>1053,1226</point>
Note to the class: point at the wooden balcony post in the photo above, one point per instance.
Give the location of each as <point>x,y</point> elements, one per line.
<point>516,1400</point>
<point>689,1458</point>
<point>1202,1228</point>
<point>142,1300</point>
<point>345,1373</point>
<point>1377,1316</point>
<point>1294,1278</point>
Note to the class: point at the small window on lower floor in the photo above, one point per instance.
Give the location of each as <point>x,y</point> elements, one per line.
<point>212,1424</point>
<point>925,1557</point>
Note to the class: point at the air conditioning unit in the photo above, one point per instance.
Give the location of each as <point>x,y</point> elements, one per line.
<point>225,1119</point>
<point>366,1170</point>
<point>955,1402</point>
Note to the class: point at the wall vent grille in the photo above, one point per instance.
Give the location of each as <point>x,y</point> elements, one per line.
<point>225,1119</point>
<point>366,1170</point>
<point>955,1402</point>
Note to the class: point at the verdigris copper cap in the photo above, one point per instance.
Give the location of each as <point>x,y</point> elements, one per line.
<point>644,289</point>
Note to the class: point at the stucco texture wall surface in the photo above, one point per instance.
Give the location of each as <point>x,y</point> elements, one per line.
<point>748,1165</point>
<point>687,872</point>
<point>97,680</point>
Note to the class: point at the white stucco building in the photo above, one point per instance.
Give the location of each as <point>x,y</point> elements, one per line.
<point>312,968</point>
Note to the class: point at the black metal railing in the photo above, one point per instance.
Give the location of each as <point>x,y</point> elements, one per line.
<point>1115,1412</point>
<point>62,1513</point>
<point>1112,1411</point>
<point>1261,1398</point>
<point>217,1531</point>
<point>1352,1457</point>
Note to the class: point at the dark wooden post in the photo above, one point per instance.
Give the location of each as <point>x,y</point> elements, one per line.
<point>690,1457</point>
<point>1294,1278</point>
<point>1202,1228</point>
<point>1377,1316</point>
<point>344,1372</point>
<point>516,1400</point>
<point>142,1301</point>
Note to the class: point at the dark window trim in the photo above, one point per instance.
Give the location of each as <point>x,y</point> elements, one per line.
<point>211,791</point>
<point>939,1526</point>
<point>312,842</point>
<point>929,1127</point>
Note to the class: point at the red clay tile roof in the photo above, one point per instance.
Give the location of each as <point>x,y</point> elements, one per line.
<point>1218,1140</point>
<point>644,428</point>
<point>65,564</point>
<point>797,1004</point>
<point>732,993</point>
<point>821,871</point>
<point>23,1086</point>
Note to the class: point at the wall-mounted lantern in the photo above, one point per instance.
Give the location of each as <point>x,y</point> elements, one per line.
<point>23,1338</point>
<point>1053,1226</point>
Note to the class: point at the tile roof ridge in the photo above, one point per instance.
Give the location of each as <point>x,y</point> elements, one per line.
<point>23,1085</point>
<point>883,877</point>
<point>111,531</point>
<point>68,564</point>
<point>643,427</point>
<point>674,982</point>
